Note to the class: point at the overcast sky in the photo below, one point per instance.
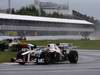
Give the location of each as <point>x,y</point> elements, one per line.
<point>89,7</point>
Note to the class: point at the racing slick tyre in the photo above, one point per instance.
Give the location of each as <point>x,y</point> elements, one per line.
<point>22,63</point>
<point>12,59</point>
<point>37,62</point>
<point>73,57</point>
<point>47,58</point>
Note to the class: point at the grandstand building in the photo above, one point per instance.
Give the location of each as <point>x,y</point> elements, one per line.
<point>50,8</point>
<point>42,26</point>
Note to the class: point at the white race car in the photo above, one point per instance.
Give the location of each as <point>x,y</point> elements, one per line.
<point>55,53</point>
<point>26,54</point>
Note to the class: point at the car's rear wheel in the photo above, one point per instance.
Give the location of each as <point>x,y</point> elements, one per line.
<point>73,57</point>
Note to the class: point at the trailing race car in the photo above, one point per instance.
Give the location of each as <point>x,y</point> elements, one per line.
<point>25,54</point>
<point>55,53</point>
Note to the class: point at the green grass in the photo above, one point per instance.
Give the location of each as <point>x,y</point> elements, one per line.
<point>5,56</point>
<point>84,44</point>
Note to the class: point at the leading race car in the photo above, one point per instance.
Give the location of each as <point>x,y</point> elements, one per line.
<point>55,53</point>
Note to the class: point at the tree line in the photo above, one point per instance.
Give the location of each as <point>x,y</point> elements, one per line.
<point>32,11</point>
<point>79,15</point>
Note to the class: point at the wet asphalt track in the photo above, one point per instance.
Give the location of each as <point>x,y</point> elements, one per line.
<point>89,64</point>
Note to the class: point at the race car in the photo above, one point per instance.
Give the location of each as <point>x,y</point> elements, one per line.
<point>55,53</point>
<point>25,54</point>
